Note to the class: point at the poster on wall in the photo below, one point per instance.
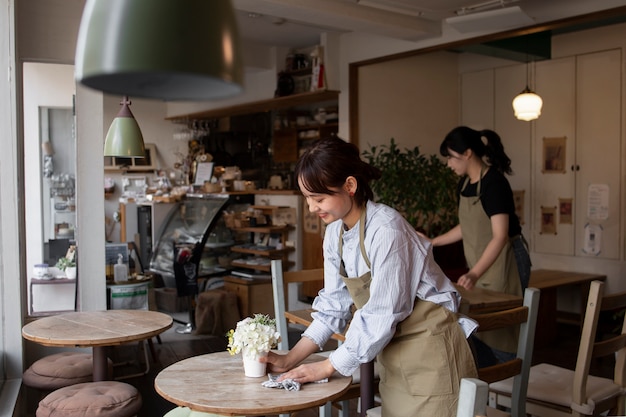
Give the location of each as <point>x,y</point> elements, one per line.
<point>548,220</point>
<point>518,200</point>
<point>598,202</point>
<point>593,239</point>
<point>554,155</point>
<point>565,210</point>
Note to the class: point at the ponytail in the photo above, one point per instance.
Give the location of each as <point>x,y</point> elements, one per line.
<point>463,138</point>
<point>494,151</point>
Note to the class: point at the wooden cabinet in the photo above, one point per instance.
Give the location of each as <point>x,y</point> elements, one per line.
<point>253,295</point>
<point>576,189</point>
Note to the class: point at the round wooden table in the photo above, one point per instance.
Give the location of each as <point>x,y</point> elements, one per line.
<point>97,329</point>
<point>215,383</point>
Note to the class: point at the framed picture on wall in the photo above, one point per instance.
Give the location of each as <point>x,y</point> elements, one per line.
<point>554,155</point>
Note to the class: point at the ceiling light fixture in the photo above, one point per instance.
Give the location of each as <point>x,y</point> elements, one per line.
<point>163,49</point>
<point>496,19</point>
<point>124,137</point>
<point>527,104</point>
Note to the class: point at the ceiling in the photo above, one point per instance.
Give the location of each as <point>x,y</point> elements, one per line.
<point>299,23</point>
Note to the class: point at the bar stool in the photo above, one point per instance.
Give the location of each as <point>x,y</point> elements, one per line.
<point>92,399</point>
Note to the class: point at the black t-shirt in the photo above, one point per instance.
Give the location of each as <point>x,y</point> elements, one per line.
<point>496,197</point>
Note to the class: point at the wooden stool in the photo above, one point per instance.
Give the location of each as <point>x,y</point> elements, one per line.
<point>60,370</point>
<point>92,399</point>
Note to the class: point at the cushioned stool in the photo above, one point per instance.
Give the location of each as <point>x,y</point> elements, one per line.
<point>60,370</point>
<point>92,399</point>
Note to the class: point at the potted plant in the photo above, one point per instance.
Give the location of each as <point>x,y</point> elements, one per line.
<point>253,337</point>
<point>67,265</point>
<point>423,189</point>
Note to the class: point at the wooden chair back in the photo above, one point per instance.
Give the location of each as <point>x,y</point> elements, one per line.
<point>280,288</point>
<point>592,346</point>
<point>519,368</point>
<point>559,391</point>
<point>472,398</point>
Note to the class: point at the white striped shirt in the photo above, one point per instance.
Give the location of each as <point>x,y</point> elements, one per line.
<point>402,267</point>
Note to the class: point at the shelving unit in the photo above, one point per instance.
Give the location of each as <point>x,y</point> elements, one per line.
<point>290,142</point>
<point>259,242</point>
<point>264,252</point>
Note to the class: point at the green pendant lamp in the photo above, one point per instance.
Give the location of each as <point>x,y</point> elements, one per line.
<point>124,137</point>
<point>161,49</point>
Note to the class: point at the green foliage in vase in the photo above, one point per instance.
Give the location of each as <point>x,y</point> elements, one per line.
<point>421,187</point>
<point>64,263</point>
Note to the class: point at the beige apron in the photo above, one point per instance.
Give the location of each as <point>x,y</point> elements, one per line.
<point>422,366</point>
<point>502,276</point>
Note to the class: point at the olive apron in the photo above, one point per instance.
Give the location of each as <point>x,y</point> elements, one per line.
<point>422,366</point>
<point>502,276</point>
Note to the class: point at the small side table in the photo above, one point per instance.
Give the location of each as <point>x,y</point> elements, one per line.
<point>53,281</point>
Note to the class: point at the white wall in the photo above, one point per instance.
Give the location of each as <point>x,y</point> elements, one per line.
<point>413,100</point>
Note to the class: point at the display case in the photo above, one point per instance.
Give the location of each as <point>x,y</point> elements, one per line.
<point>192,238</point>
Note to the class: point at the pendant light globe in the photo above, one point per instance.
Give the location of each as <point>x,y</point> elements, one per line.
<point>160,49</point>
<point>124,138</point>
<point>527,105</point>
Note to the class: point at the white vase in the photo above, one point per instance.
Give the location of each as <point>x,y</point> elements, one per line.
<point>70,272</point>
<point>252,367</point>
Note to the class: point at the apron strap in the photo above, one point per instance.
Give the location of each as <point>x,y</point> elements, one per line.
<point>478,195</point>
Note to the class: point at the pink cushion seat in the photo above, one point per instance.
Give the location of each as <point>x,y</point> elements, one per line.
<point>59,370</point>
<point>92,399</point>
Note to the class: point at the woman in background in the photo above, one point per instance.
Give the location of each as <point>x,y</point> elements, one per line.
<point>405,305</point>
<point>494,247</point>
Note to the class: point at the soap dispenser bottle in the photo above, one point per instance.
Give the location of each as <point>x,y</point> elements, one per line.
<point>120,271</point>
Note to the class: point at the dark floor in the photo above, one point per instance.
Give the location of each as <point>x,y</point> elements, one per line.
<point>175,347</point>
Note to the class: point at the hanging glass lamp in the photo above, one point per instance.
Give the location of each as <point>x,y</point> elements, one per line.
<point>162,49</point>
<point>124,137</point>
<point>527,105</point>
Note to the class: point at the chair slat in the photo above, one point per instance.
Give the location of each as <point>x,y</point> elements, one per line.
<point>500,371</point>
<point>614,302</point>
<point>501,319</point>
<point>609,346</point>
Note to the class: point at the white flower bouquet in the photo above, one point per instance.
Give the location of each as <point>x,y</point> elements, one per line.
<point>253,336</point>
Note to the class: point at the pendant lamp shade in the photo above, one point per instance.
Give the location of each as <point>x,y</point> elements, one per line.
<point>124,137</point>
<point>527,105</point>
<point>162,49</point>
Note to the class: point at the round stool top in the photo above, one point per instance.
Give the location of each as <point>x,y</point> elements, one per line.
<point>92,399</point>
<point>59,370</point>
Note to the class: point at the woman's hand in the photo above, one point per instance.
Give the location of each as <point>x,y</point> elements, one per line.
<point>468,280</point>
<point>276,362</point>
<point>310,372</point>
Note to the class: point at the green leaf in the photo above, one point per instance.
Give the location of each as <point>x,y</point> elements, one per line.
<point>421,187</point>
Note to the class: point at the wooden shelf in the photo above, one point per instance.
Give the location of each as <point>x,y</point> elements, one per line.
<point>266,268</point>
<point>270,253</point>
<point>263,229</point>
<point>260,106</point>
